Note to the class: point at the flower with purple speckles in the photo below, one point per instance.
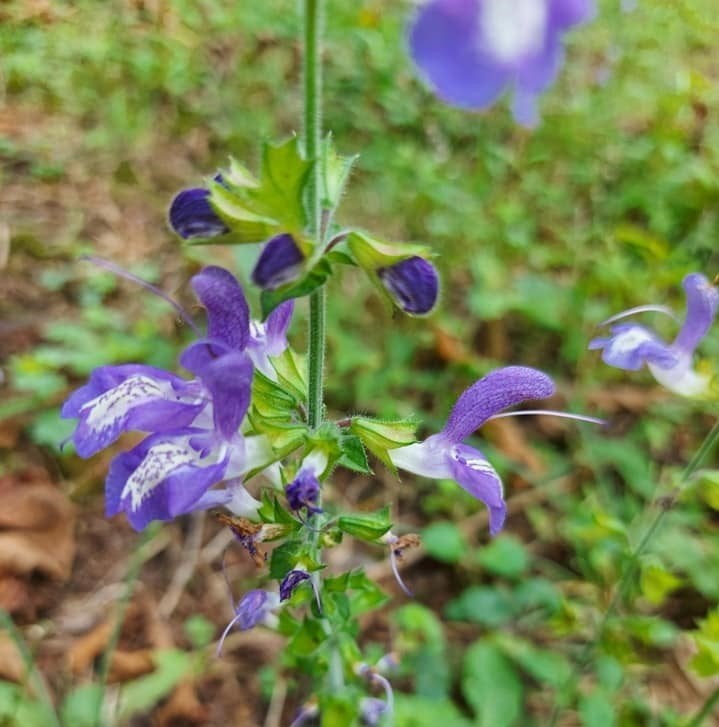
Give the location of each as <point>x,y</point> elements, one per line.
<point>280,262</point>
<point>471,51</point>
<point>630,345</point>
<point>193,425</point>
<point>413,283</point>
<point>255,608</point>
<point>445,456</point>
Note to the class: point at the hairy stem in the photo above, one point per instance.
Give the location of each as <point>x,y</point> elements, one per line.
<point>312,91</point>
<point>664,505</point>
<point>312,88</point>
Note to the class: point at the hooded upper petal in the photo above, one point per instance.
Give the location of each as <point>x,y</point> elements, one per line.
<point>494,392</point>
<point>227,376</point>
<point>702,301</point>
<point>117,399</point>
<point>228,315</point>
<point>630,346</point>
<point>161,478</point>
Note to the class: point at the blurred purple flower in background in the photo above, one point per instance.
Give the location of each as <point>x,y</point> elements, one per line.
<point>471,51</point>
<point>630,345</point>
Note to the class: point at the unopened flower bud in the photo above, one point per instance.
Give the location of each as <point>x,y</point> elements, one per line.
<point>413,283</point>
<point>279,262</point>
<point>291,581</point>
<point>191,215</point>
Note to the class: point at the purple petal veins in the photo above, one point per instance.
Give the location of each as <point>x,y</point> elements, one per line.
<point>191,215</point>
<point>413,283</point>
<point>470,51</point>
<point>279,262</point>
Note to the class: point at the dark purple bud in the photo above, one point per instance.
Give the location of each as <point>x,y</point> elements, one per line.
<point>279,262</point>
<point>291,581</point>
<point>413,283</point>
<point>304,491</point>
<point>191,215</point>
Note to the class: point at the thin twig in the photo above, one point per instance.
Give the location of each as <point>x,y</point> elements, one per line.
<point>189,559</point>
<point>277,704</point>
<point>34,677</point>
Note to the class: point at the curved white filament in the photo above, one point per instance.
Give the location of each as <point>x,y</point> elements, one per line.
<point>550,412</point>
<point>642,309</point>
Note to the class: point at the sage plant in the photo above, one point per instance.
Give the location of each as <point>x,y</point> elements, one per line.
<point>246,434</point>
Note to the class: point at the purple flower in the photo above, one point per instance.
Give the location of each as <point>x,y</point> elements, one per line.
<point>443,456</point>
<point>191,215</point>
<point>631,346</point>
<point>304,490</point>
<point>372,710</point>
<point>291,581</point>
<point>280,262</point>
<point>255,608</point>
<point>194,425</point>
<point>413,283</point>
<point>471,51</point>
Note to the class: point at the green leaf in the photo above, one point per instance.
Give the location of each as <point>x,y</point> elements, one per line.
<point>80,706</point>
<point>505,556</point>
<point>417,711</point>
<point>270,399</point>
<point>314,278</point>
<point>245,225</point>
<point>491,685</point>
<point>291,370</point>
<point>335,172</point>
<point>491,607</point>
<point>283,177</point>
<point>379,436</point>
<point>597,710</point>
<point>339,710</point>
<point>366,526</point>
<point>199,631</point>
<point>543,665</point>
<point>353,455</point>
<point>657,583</point>
<point>444,541</point>
<point>141,695</point>
<point>370,253</point>
<point>288,556</point>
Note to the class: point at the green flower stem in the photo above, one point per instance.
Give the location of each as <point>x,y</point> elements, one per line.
<point>312,18</point>
<point>665,504</point>
<point>312,91</point>
<point>706,711</point>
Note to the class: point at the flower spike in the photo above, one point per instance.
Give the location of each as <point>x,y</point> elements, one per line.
<point>630,346</point>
